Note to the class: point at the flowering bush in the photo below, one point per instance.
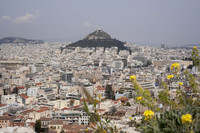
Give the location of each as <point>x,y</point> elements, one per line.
<point>180,83</point>
<point>179,115</point>
<point>175,67</point>
<point>139,98</point>
<point>148,114</point>
<point>186,119</point>
<point>170,76</point>
<point>133,77</point>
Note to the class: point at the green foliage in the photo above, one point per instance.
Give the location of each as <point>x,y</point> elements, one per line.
<point>102,124</point>
<point>170,121</point>
<point>195,56</point>
<point>147,100</point>
<point>38,125</point>
<point>106,43</point>
<point>109,92</point>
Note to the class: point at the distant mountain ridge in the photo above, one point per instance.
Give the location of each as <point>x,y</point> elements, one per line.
<point>98,38</point>
<point>19,40</point>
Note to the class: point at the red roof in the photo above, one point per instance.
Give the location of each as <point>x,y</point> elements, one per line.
<point>66,109</point>
<point>31,124</point>
<point>38,84</point>
<point>100,89</point>
<point>75,107</point>
<point>123,99</point>
<point>19,124</point>
<point>42,110</point>
<point>28,111</point>
<point>20,117</point>
<point>1,105</point>
<point>100,110</point>
<point>24,96</point>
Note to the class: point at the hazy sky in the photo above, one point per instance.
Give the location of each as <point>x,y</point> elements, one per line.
<point>173,22</point>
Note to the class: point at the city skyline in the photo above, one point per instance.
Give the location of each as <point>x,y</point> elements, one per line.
<point>142,22</point>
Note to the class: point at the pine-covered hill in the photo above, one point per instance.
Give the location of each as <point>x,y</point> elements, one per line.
<point>106,43</point>
<point>98,38</point>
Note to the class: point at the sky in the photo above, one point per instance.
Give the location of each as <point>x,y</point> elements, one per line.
<point>170,22</point>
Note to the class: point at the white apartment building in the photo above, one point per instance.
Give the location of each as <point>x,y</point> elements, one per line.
<point>4,108</point>
<point>32,91</point>
<point>8,99</point>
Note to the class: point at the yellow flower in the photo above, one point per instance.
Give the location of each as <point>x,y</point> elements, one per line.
<point>192,131</point>
<point>139,98</point>
<point>180,83</point>
<point>133,77</point>
<point>86,129</point>
<point>99,96</point>
<point>104,131</point>
<point>170,76</point>
<point>194,47</point>
<point>130,118</point>
<point>186,118</point>
<point>175,66</point>
<point>148,114</point>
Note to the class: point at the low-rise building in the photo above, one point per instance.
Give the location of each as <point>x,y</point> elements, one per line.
<point>5,121</point>
<point>55,125</point>
<point>4,108</point>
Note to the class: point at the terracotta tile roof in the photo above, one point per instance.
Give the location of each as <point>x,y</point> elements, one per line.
<point>100,89</point>
<point>45,108</point>
<point>42,110</point>
<point>100,110</point>
<point>38,84</point>
<point>1,105</point>
<point>6,117</point>
<point>19,124</point>
<point>123,99</point>
<point>66,108</point>
<point>45,119</point>
<point>56,122</point>
<point>31,124</point>
<point>24,96</point>
<point>75,107</point>
<point>27,111</point>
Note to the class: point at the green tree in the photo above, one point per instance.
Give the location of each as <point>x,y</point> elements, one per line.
<point>38,128</point>
<point>109,92</point>
<point>71,102</point>
<point>195,56</point>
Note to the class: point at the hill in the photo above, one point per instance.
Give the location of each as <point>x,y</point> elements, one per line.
<point>19,40</point>
<point>98,38</point>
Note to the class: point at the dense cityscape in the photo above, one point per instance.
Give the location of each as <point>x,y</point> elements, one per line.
<point>45,82</point>
<point>99,66</point>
